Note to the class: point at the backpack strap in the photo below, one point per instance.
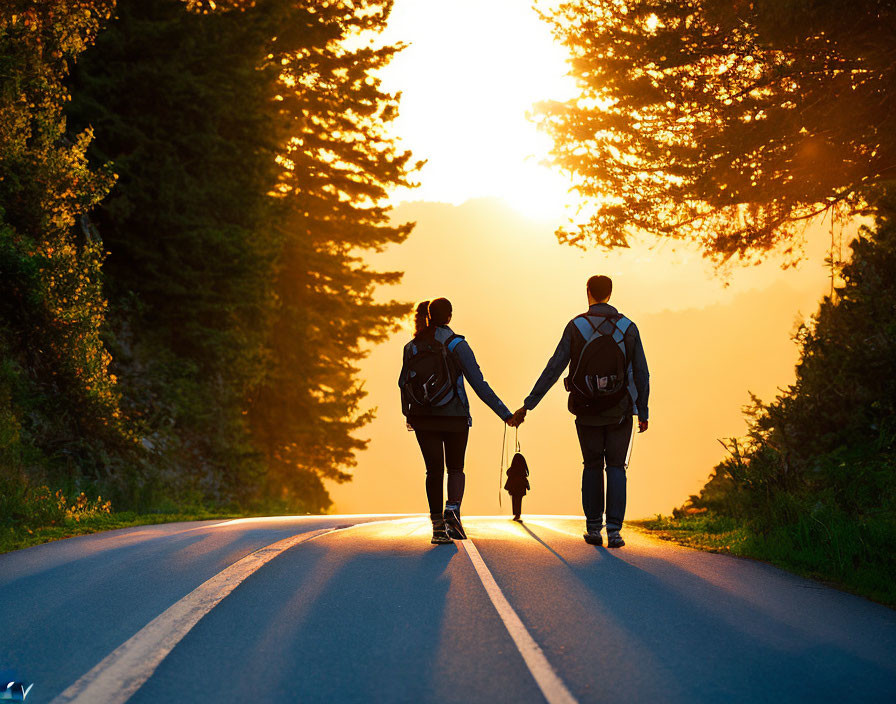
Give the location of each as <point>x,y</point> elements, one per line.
<point>585,326</point>
<point>622,325</point>
<point>453,342</point>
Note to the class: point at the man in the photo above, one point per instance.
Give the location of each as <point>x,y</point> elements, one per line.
<point>608,383</point>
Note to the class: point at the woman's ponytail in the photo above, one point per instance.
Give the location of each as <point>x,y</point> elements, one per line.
<point>429,313</point>
<point>421,318</point>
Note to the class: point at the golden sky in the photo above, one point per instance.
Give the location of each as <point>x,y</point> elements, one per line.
<point>472,71</point>
<point>485,214</point>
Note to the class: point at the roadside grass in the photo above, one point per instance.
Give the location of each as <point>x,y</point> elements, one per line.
<point>852,556</point>
<point>15,537</point>
<point>32,514</point>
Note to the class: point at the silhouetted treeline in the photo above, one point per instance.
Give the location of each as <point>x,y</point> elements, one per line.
<point>732,124</point>
<point>726,123</point>
<point>196,339</point>
<point>815,478</point>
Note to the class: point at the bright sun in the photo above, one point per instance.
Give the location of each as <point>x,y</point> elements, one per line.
<point>473,69</point>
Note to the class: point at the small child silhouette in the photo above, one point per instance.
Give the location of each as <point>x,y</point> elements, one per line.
<point>517,483</point>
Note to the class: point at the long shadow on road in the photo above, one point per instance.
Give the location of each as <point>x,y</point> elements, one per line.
<point>353,617</point>
<point>64,606</point>
<point>635,625</point>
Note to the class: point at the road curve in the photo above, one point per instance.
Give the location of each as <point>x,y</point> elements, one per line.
<point>364,609</point>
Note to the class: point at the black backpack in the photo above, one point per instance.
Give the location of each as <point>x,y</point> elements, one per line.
<point>598,381</point>
<point>430,374</point>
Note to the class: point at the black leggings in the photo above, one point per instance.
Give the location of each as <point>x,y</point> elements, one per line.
<point>443,448</point>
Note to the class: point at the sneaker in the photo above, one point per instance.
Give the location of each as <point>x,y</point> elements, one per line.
<point>439,533</point>
<point>614,540</point>
<point>452,522</point>
<point>592,534</point>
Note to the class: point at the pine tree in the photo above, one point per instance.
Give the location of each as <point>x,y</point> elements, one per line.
<point>727,123</point>
<point>339,164</point>
<point>182,106</point>
<point>253,157</point>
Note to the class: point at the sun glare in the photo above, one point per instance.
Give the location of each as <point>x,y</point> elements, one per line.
<point>471,74</point>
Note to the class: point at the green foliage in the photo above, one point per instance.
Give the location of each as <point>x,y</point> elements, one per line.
<point>55,386</point>
<point>253,158</point>
<point>26,508</point>
<point>337,169</point>
<point>728,123</point>
<point>834,430</point>
<point>833,547</point>
<point>23,504</point>
<point>22,534</point>
<point>180,103</point>
<point>814,482</point>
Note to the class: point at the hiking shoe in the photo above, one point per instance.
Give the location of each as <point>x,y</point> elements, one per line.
<point>593,538</point>
<point>452,522</point>
<point>592,533</point>
<point>614,540</point>
<point>439,533</point>
<point>440,537</point>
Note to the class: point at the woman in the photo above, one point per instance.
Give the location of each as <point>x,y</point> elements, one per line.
<point>435,403</point>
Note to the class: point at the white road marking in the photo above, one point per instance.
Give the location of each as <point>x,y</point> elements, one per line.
<point>552,687</point>
<point>121,673</point>
<point>316,517</point>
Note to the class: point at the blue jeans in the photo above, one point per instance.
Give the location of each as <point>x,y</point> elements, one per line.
<point>603,449</point>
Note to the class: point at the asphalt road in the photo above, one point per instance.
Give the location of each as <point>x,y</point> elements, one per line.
<point>202,612</point>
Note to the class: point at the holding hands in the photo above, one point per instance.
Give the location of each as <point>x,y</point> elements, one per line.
<point>517,418</point>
